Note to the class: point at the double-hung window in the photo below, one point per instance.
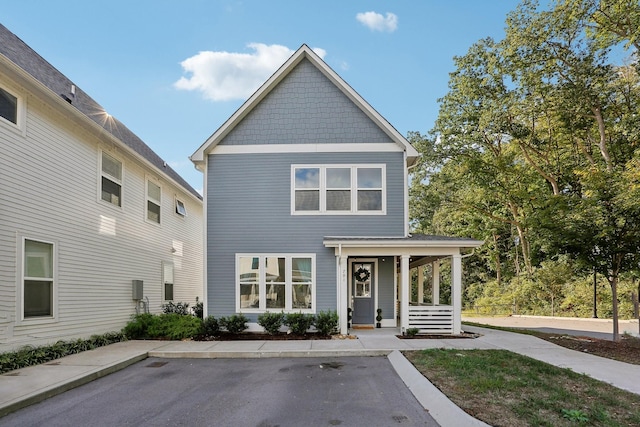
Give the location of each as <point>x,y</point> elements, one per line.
<point>154,194</point>
<point>8,106</point>
<point>275,282</point>
<point>38,279</point>
<point>167,281</point>
<point>338,189</point>
<point>111,179</point>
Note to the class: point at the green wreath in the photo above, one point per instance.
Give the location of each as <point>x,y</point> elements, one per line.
<point>362,274</point>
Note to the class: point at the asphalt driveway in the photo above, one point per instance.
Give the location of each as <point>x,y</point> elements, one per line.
<point>347,391</point>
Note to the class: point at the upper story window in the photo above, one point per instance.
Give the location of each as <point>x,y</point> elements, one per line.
<point>180,208</point>
<point>154,194</point>
<point>8,106</point>
<point>338,189</point>
<point>111,179</point>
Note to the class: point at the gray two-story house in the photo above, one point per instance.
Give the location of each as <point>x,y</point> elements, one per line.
<point>306,210</point>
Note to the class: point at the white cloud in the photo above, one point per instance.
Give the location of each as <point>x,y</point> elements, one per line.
<point>223,76</point>
<point>377,22</point>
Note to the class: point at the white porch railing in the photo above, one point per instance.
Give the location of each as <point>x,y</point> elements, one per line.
<point>431,319</point>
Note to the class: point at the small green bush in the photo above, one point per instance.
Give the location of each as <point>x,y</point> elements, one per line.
<point>171,326</point>
<point>181,308</point>
<point>326,322</point>
<point>137,328</point>
<point>29,356</point>
<point>271,322</point>
<point>234,324</point>
<point>299,323</point>
<point>210,327</point>
<point>174,326</point>
<point>412,332</point>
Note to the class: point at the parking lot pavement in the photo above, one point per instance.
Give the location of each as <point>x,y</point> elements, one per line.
<point>314,391</point>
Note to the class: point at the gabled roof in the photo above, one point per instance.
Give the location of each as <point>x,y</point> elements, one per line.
<point>304,52</point>
<point>17,54</point>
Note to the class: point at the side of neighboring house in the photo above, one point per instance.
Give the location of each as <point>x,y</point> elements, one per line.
<point>306,207</point>
<point>86,209</point>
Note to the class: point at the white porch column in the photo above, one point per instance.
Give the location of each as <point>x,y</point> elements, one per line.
<point>456,292</point>
<point>421,284</point>
<point>343,294</point>
<point>406,289</point>
<point>435,283</point>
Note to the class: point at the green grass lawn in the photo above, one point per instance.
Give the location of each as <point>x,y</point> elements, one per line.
<point>506,389</point>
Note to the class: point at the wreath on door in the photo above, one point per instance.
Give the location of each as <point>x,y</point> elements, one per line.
<point>362,274</point>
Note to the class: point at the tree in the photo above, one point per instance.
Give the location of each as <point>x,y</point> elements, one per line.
<point>537,142</point>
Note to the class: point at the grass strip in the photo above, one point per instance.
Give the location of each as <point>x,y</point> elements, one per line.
<point>503,388</point>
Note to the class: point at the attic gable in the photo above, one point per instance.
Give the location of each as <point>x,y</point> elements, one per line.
<point>301,60</point>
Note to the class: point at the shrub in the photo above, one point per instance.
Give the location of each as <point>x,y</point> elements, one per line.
<point>210,327</point>
<point>137,328</point>
<point>181,308</point>
<point>298,322</point>
<point>234,324</point>
<point>29,356</point>
<point>164,326</point>
<point>174,326</point>
<point>412,332</point>
<point>271,322</point>
<point>326,322</point>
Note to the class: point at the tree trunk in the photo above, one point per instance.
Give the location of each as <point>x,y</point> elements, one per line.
<point>497,260</point>
<point>613,282</point>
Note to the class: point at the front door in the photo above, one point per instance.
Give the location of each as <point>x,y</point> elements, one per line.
<point>363,292</point>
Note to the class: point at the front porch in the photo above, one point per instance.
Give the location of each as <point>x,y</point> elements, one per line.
<point>416,287</point>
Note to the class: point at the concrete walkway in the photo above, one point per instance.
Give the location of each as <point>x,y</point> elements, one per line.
<point>26,386</point>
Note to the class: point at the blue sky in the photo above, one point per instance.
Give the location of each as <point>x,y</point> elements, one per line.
<point>174,71</point>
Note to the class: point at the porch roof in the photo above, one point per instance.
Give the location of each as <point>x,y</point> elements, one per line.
<point>410,241</point>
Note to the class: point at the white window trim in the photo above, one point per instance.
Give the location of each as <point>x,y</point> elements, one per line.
<point>354,188</point>
<point>21,110</point>
<point>54,291</point>
<point>176,203</point>
<point>147,199</point>
<point>112,178</point>
<point>262,283</point>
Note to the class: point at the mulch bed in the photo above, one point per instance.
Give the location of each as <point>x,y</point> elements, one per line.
<point>261,336</point>
<point>437,336</point>
<point>626,350</point>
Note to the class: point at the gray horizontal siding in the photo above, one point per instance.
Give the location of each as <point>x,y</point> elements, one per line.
<point>249,211</point>
<point>306,107</point>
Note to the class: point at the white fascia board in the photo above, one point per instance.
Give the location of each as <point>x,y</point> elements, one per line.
<point>373,243</point>
<point>305,148</point>
<point>304,52</point>
<point>199,155</point>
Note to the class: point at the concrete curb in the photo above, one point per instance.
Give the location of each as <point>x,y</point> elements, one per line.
<point>87,377</point>
<point>264,354</point>
<point>443,410</point>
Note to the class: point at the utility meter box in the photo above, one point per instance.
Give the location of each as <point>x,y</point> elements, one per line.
<point>137,289</point>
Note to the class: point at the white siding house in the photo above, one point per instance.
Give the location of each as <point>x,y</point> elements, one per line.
<point>86,208</point>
